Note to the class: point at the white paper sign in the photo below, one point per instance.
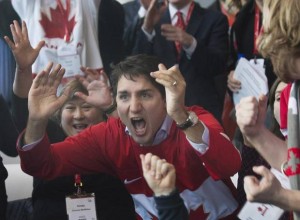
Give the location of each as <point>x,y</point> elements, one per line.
<point>252,77</point>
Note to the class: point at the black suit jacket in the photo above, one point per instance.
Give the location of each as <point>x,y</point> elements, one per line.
<point>132,24</point>
<point>110,33</point>
<point>242,40</point>
<point>210,29</point>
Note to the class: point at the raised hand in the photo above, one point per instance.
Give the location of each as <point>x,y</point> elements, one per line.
<point>263,190</point>
<point>175,85</point>
<point>42,99</point>
<point>97,84</point>
<point>250,115</point>
<point>153,15</point>
<point>21,48</point>
<point>159,174</point>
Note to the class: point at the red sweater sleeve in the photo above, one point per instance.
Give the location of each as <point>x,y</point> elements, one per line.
<point>222,159</point>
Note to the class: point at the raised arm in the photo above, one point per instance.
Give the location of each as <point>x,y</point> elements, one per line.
<point>175,85</point>
<point>43,102</point>
<point>161,178</point>
<point>100,92</point>
<point>250,114</point>
<point>24,55</point>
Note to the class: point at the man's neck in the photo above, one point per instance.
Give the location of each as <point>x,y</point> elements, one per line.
<point>180,5</point>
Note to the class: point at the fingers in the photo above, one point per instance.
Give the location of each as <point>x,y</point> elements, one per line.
<point>247,111</point>
<point>82,96</point>
<point>14,27</point>
<point>262,171</point>
<point>90,74</point>
<point>172,33</point>
<point>262,107</point>
<point>233,84</point>
<point>55,77</point>
<point>168,77</point>
<point>251,184</point>
<point>158,168</point>
<point>24,30</point>
<point>39,46</point>
<point>49,78</point>
<point>9,42</point>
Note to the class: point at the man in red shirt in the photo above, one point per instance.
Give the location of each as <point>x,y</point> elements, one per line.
<point>153,119</point>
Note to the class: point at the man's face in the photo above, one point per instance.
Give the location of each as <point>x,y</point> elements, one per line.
<point>141,108</point>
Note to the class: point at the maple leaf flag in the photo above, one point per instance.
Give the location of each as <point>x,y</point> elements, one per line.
<point>58,26</point>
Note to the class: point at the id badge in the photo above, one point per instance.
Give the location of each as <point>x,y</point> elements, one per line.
<point>70,60</point>
<point>81,207</point>
<point>260,211</point>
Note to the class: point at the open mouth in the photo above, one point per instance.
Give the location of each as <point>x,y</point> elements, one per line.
<point>139,125</point>
<point>80,126</point>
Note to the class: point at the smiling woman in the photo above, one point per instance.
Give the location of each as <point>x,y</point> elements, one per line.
<point>76,114</point>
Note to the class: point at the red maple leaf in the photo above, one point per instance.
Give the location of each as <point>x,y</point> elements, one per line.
<point>55,28</point>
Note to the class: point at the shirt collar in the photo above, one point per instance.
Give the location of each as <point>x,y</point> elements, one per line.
<point>183,10</point>
<point>162,132</point>
<point>142,12</point>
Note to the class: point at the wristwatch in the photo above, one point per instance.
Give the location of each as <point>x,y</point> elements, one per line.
<point>191,121</point>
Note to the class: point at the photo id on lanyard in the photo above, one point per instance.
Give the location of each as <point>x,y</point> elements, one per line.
<point>81,206</point>
<point>69,59</point>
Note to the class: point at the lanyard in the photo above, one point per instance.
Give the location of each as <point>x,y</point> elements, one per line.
<point>188,17</point>
<point>257,28</point>
<point>65,15</point>
<point>78,183</point>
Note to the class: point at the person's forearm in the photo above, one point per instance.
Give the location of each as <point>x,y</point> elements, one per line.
<point>35,130</point>
<point>288,200</point>
<point>270,147</point>
<point>22,82</point>
<point>193,133</point>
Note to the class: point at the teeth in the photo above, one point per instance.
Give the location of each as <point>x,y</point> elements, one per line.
<point>79,126</point>
<point>136,119</point>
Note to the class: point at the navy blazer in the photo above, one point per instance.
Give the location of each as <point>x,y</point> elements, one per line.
<point>210,29</point>
<point>110,33</point>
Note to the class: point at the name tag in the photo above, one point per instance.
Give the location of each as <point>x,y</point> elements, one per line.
<point>81,207</point>
<point>260,211</point>
<point>70,60</point>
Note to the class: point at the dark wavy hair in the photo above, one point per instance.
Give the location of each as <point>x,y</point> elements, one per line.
<point>135,66</point>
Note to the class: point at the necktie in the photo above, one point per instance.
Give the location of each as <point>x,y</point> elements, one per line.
<point>180,23</point>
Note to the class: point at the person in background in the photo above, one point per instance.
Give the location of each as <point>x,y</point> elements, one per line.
<point>76,33</point>
<point>48,197</point>
<point>161,178</point>
<point>152,119</point>
<point>243,37</point>
<point>8,138</point>
<point>7,61</point>
<point>250,154</point>
<point>111,22</point>
<point>135,12</point>
<point>279,42</point>
<point>196,39</point>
